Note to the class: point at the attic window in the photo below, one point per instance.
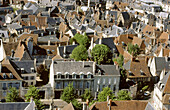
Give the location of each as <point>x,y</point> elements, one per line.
<point>41,34</point>
<point>99,72</point>
<point>67,75</point>
<point>74,75</point>
<point>142,73</point>
<point>11,75</point>
<point>32,70</point>
<point>4,75</point>
<point>22,70</point>
<point>130,73</point>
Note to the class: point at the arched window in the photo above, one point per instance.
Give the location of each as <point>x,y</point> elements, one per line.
<point>74,75</point>
<point>81,75</point>
<point>67,75</point>
<point>11,75</point>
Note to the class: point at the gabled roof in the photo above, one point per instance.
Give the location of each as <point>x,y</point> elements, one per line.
<point>14,105</point>
<point>108,70</point>
<point>109,42</point>
<point>6,69</point>
<point>26,64</point>
<point>69,107</point>
<point>120,105</point>
<point>69,49</point>
<point>73,67</point>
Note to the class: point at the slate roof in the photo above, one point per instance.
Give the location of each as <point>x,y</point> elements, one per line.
<point>108,70</point>
<point>73,66</point>
<point>69,49</point>
<point>109,42</point>
<point>160,63</point>
<point>120,105</point>
<point>166,82</point>
<point>26,64</point>
<point>126,15</point>
<point>14,105</point>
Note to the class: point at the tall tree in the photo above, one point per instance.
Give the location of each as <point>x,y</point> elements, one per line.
<point>79,53</point>
<point>134,50</point>
<point>34,93</point>
<point>87,95</point>
<point>69,95</point>
<point>13,96</point>
<point>119,60</point>
<point>123,95</point>
<point>106,92</point>
<point>81,40</point>
<point>101,54</point>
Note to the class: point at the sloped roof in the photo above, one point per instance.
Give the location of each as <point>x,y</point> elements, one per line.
<point>120,105</point>
<point>108,70</point>
<point>68,107</point>
<point>14,105</point>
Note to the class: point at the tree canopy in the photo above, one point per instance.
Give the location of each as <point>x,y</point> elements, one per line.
<point>69,95</point>
<point>101,54</point>
<point>13,96</point>
<point>134,50</point>
<point>87,95</point>
<point>120,60</point>
<point>104,93</point>
<point>123,95</point>
<point>81,40</point>
<point>79,53</point>
<point>34,93</point>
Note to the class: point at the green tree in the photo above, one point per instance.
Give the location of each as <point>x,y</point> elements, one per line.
<point>134,50</point>
<point>101,54</point>
<point>81,40</point>
<point>13,96</point>
<point>123,95</point>
<point>79,53</point>
<point>119,60</point>
<point>106,92</point>
<point>87,95</point>
<point>69,95</point>
<point>34,93</point>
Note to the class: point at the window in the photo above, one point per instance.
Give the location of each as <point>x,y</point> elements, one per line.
<point>81,84</point>
<point>98,82</point>
<point>58,75</point>
<point>9,84</point>
<point>89,76</point>
<point>32,78</point>
<point>4,75</point>
<point>32,70</point>
<point>25,77</point>
<point>67,75</point>
<point>22,70</point>
<point>32,83</point>
<point>87,85</point>
<point>4,93</point>
<point>11,75</point>
<point>114,87</point>
<point>65,84</point>
<point>110,80</point>
<point>74,84</point>
<point>58,85</point>
<point>98,88</point>
<point>74,75</point>
<point>82,76</point>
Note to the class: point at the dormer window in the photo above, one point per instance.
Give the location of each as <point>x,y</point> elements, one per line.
<point>54,32</point>
<point>4,75</point>
<point>99,72</point>
<point>32,70</point>
<point>130,73</point>
<point>142,73</point>
<point>81,75</point>
<point>41,34</point>
<point>59,75</point>
<point>50,33</point>
<point>110,80</point>
<point>74,75</point>
<point>89,75</point>
<point>11,75</point>
<point>67,75</point>
<point>22,70</point>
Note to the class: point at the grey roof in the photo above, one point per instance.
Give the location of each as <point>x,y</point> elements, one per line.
<point>33,8</point>
<point>25,12</point>
<point>149,107</point>
<point>4,34</point>
<point>73,66</point>
<point>14,105</point>
<point>163,81</point>
<point>26,64</point>
<point>28,4</point>
<point>69,49</point>
<point>52,38</point>
<point>98,28</point>
<point>127,65</point>
<point>109,42</point>
<point>126,15</point>
<point>160,63</point>
<point>114,13</point>
<point>13,26</point>
<point>108,70</point>
<point>51,21</point>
